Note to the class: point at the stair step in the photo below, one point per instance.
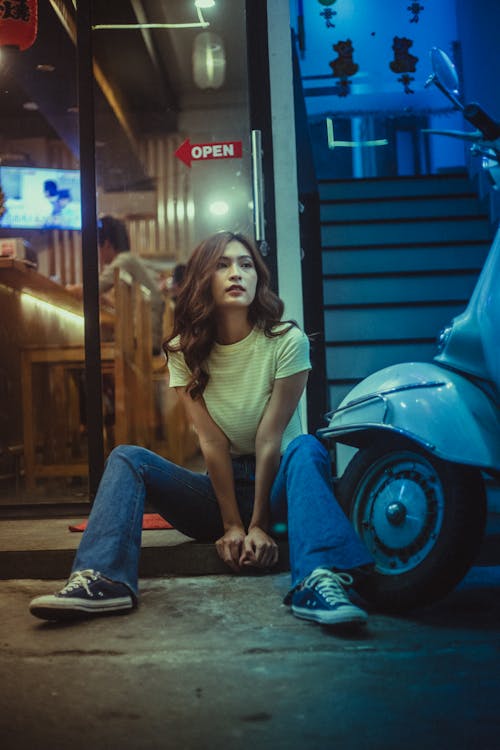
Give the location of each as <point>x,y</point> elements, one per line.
<point>396,187</point>
<point>407,208</point>
<point>404,258</point>
<point>45,549</point>
<point>400,258</point>
<point>347,362</point>
<point>396,289</point>
<point>405,322</point>
<point>340,234</point>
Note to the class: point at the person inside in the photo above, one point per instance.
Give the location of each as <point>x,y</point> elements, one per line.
<point>114,252</point>
<point>175,281</point>
<point>240,370</point>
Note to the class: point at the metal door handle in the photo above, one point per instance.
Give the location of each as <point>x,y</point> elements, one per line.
<point>258,191</point>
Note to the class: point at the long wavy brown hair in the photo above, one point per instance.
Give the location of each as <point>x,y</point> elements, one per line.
<point>194,316</point>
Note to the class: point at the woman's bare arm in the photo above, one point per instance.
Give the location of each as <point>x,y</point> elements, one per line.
<point>214,445</point>
<point>282,404</point>
<point>284,400</point>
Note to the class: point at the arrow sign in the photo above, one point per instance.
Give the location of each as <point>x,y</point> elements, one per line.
<point>188,152</point>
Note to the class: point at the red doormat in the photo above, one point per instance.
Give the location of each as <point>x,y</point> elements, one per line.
<point>149,521</point>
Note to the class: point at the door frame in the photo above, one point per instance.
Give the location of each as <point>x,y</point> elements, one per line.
<point>272,112</point>
<point>90,254</point>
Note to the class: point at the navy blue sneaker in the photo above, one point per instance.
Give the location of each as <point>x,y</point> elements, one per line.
<point>87,592</point>
<point>322,597</point>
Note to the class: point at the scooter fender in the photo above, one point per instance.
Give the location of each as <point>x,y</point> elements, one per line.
<point>435,407</point>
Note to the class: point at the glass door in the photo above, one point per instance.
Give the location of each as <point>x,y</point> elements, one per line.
<point>178,143</point>
<point>151,121</point>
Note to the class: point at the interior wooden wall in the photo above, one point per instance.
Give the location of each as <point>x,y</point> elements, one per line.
<point>169,232</point>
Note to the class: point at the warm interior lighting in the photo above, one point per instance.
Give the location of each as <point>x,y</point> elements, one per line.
<point>219,208</point>
<point>170,211</point>
<point>40,304</point>
<point>180,211</point>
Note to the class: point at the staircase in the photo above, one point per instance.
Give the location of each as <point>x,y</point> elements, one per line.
<point>400,259</point>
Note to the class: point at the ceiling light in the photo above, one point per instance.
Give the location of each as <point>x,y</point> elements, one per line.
<point>219,208</point>
<point>204,3</point>
<point>134,26</point>
<point>30,106</point>
<point>209,61</point>
<point>46,68</point>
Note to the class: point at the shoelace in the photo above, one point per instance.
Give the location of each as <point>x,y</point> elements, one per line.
<point>330,585</point>
<point>81,578</point>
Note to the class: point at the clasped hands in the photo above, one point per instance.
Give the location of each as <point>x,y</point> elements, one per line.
<point>239,549</point>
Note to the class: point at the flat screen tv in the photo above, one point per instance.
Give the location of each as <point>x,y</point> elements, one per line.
<point>38,198</point>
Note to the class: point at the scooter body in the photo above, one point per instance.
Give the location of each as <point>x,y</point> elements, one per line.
<point>427,434</point>
<point>444,412</point>
<point>450,406</point>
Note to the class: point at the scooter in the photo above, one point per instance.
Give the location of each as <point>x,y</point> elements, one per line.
<point>427,434</point>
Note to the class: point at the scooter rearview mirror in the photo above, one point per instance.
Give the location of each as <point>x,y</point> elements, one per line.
<point>444,70</point>
<point>444,76</point>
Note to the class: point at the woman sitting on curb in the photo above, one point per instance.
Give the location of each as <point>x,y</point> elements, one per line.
<point>240,371</point>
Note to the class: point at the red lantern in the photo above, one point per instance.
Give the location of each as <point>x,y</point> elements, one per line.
<point>18,23</point>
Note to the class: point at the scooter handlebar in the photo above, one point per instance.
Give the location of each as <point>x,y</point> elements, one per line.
<point>476,115</point>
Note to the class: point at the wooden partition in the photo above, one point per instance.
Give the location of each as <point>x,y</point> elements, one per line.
<point>133,362</point>
<point>34,311</point>
<point>127,361</point>
<point>42,364</point>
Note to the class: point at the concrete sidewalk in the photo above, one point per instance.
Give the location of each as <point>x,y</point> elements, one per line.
<point>218,661</point>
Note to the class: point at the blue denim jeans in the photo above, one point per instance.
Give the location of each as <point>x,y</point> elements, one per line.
<point>302,497</point>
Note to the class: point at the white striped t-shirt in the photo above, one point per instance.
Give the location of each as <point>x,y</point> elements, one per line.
<point>241,381</point>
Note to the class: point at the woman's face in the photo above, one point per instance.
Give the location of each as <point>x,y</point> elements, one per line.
<point>234,281</point>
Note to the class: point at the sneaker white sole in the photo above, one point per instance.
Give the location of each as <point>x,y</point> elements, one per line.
<point>53,608</point>
<point>343,616</point>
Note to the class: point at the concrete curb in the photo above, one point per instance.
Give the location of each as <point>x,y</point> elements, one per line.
<point>185,559</point>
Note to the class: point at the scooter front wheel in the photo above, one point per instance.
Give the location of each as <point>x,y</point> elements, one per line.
<point>422,519</point>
